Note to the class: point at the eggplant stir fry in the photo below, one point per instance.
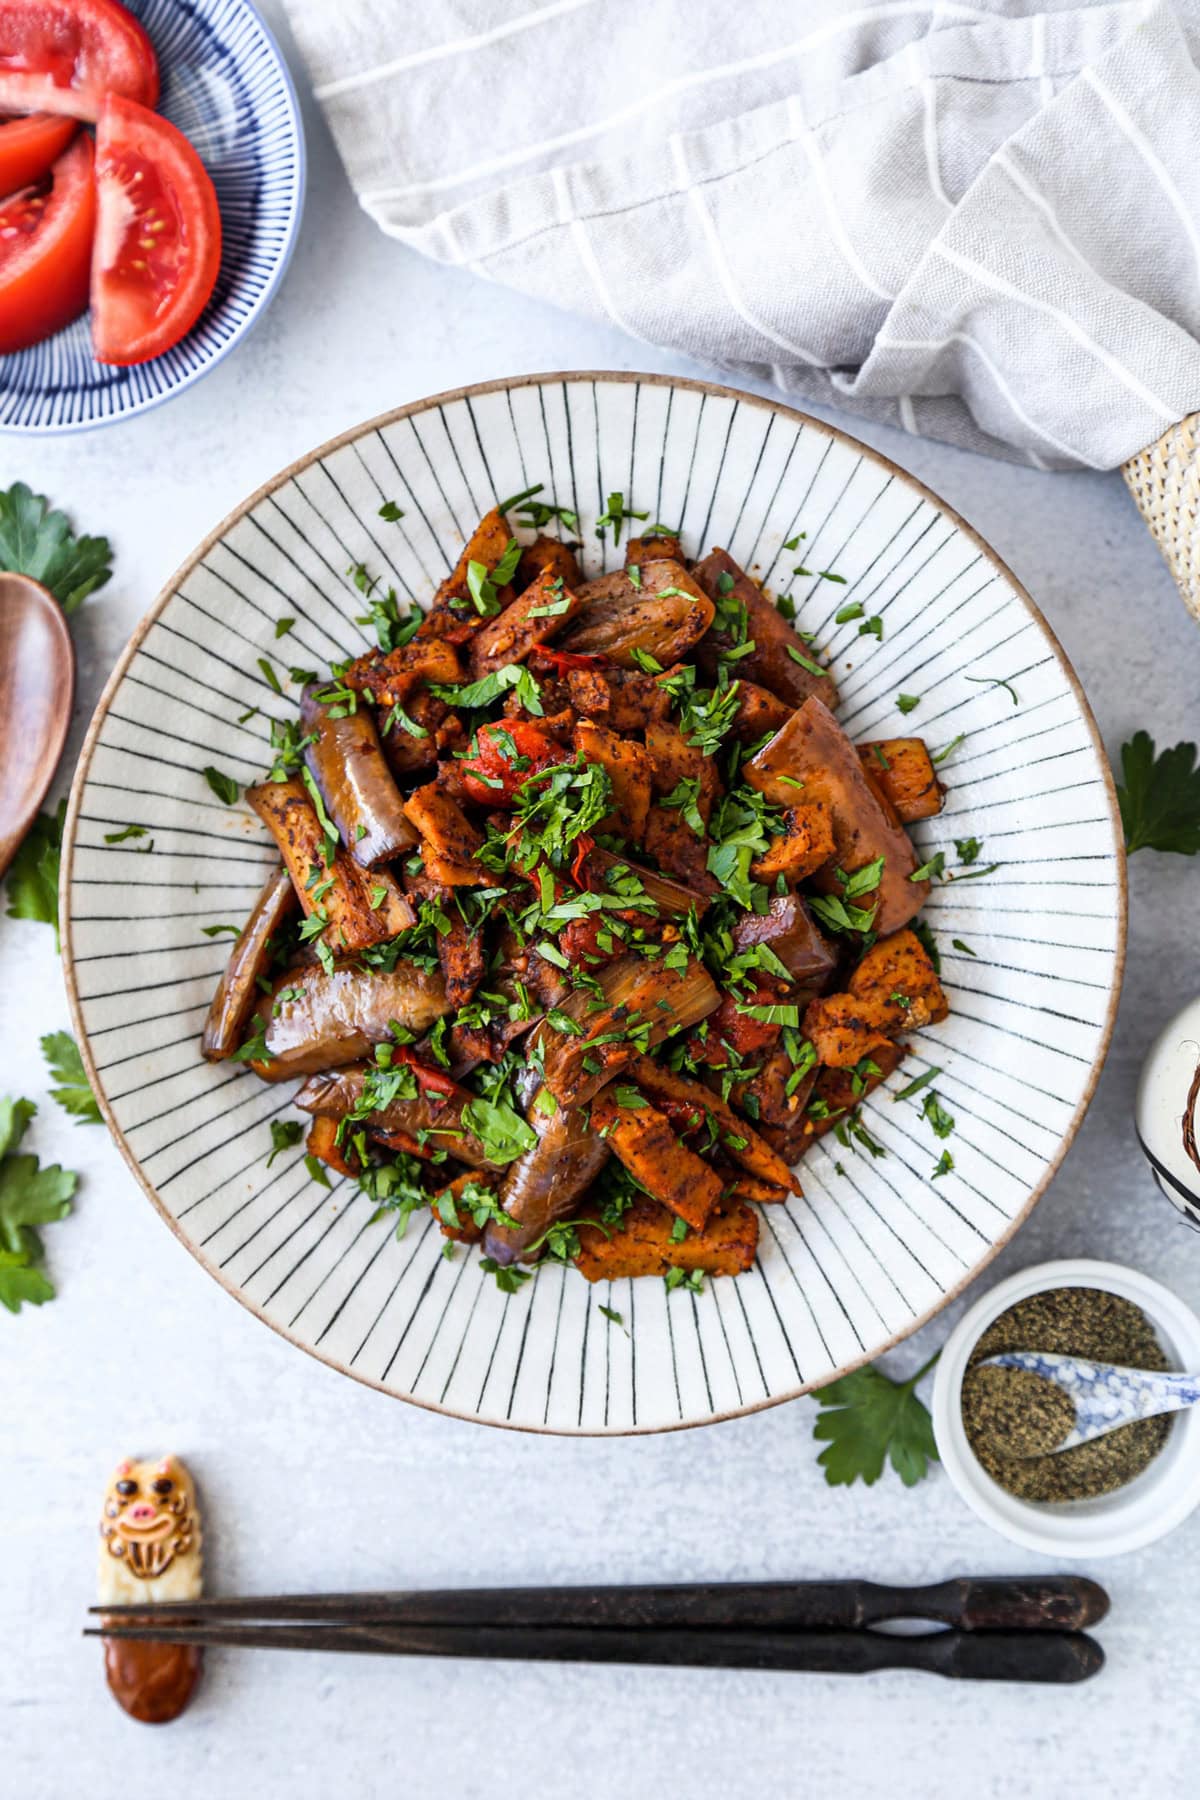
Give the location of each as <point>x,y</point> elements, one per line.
<point>589,918</point>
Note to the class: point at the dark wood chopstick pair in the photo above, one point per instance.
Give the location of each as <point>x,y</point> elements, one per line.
<point>1002,1628</point>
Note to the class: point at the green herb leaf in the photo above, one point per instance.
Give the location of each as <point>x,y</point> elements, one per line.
<point>35,541</point>
<point>867,1419</point>
<point>504,1134</point>
<point>127,831</point>
<point>914,1087</point>
<point>965,948</point>
<point>283,626</point>
<point>939,1118</point>
<point>32,878</point>
<point>284,1133</point>
<point>806,662</point>
<point>948,750</point>
<point>390,512</point>
<point>220,930</point>
<point>30,1196</point>
<point>1159,797</point>
<point>616,516</point>
<point>223,786</point>
<point>905,703</point>
<point>75,1096</point>
<point>490,687</point>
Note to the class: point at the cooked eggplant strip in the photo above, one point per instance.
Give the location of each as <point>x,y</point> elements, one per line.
<point>390,679</point>
<point>312,1021</point>
<point>347,763</point>
<point>895,988</point>
<point>759,711</point>
<point>780,1115</point>
<point>322,1143</point>
<point>238,990</point>
<point>656,547</point>
<point>644,1244</point>
<point>486,545</point>
<point>672,899</point>
<point>839,1092</point>
<point>663,618</point>
<point>462,957</point>
<point>674,760</point>
<point>736,1138</point>
<point>625,700</point>
<point>644,1140</point>
<point>787,927</point>
<point>781,660</point>
<point>805,847</point>
<point>813,759</point>
<point>537,616</point>
<point>361,909</point>
<point>644,1003</point>
<point>628,768</point>
<point>902,770</point>
<point>547,555</point>
<point>423,1127</point>
<point>546,1183</point>
<point>449,842</point>
<point>670,840</point>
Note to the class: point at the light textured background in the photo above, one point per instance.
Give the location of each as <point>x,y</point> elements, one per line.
<point>309,1480</point>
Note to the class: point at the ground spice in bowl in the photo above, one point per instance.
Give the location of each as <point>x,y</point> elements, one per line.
<point>1012,1425</point>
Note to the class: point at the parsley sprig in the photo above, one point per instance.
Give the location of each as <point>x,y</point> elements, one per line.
<point>866,1419</point>
<point>1159,796</point>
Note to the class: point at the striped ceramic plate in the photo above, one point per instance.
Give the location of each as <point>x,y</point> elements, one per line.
<point>225,84</point>
<point>1031,952</point>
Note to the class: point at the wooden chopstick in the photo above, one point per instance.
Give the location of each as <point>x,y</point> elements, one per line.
<point>1040,1656</point>
<point>1046,1603</point>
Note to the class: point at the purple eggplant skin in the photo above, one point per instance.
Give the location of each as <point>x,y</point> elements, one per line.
<point>238,990</point>
<point>548,1182</point>
<point>347,763</point>
<point>314,1021</point>
<point>787,927</point>
<point>337,1091</point>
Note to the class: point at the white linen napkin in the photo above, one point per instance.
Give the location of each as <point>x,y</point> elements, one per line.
<point>980,222</point>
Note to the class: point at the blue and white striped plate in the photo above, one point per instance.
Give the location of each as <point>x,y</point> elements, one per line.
<point>1031,953</point>
<point>225,84</point>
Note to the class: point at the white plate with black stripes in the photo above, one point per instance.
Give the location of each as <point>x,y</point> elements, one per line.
<point>1031,953</point>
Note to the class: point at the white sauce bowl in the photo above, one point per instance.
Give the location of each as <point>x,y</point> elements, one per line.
<point>1157,1500</point>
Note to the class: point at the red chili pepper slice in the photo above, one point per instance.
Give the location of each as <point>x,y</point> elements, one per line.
<point>567,659</point>
<point>584,847</point>
<point>433,1081</point>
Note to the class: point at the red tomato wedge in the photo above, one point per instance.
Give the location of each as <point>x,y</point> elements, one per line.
<point>46,250</point>
<point>158,235</point>
<point>64,56</point>
<point>29,146</point>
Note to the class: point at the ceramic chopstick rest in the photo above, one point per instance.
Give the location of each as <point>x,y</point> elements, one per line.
<point>1167,1110</point>
<point>150,1551</point>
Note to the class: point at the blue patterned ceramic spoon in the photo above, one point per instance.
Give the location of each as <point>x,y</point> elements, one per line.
<point>1106,1397</point>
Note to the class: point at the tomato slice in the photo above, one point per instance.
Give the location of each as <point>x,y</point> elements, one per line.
<point>46,250</point>
<point>158,235</point>
<point>63,56</point>
<point>506,753</point>
<point>29,146</point>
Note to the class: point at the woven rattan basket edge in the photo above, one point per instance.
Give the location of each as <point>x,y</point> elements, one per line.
<point>1164,480</point>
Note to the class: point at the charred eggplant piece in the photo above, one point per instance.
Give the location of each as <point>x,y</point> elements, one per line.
<point>663,618</point>
<point>780,661</point>
<point>787,927</point>
<point>238,990</point>
<point>362,909</point>
<point>313,1021</point>
<point>423,1127</point>
<point>545,608</point>
<point>644,1003</point>
<point>645,1244</point>
<point>548,1182</point>
<point>812,759</point>
<point>736,1139</point>
<point>347,763</point>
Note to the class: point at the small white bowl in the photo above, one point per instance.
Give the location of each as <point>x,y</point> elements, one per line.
<point>1157,1500</point>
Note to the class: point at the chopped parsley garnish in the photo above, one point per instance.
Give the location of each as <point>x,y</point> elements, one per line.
<point>616,516</point>
<point>907,703</point>
<point>223,786</point>
<point>996,681</point>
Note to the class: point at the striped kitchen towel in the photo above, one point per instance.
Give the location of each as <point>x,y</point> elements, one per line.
<point>980,222</point>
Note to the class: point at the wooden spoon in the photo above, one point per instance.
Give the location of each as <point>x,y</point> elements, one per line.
<point>37,689</point>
